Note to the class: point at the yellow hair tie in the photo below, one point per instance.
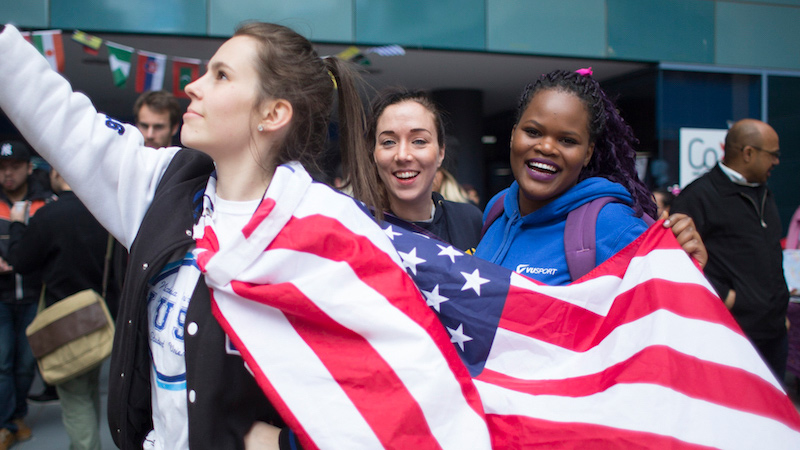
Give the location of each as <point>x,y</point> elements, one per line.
<point>333,78</point>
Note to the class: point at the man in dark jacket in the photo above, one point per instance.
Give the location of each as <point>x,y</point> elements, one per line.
<point>67,244</point>
<point>18,294</point>
<point>736,215</point>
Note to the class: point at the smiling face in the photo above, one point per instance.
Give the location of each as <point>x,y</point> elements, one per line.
<point>407,154</point>
<point>550,145</point>
<point>221,118</point>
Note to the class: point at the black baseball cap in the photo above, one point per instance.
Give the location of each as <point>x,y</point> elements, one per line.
<point>15,150</point>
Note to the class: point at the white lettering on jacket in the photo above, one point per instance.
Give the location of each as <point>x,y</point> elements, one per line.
<point>526,269</point>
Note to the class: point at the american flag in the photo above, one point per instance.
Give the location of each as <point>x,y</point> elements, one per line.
<point>639,353</point>
<point>314,297</point>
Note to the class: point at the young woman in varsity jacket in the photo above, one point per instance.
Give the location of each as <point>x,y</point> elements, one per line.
<point>260,307</point>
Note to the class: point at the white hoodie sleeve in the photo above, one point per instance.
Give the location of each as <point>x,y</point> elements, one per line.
<point>104,161</point>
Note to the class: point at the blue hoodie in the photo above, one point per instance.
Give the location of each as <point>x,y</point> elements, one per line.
<point>533,245</point>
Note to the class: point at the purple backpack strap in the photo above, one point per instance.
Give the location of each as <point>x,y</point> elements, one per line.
<point>648,220</point>
<point>579,237</point>
<point>494,212</point>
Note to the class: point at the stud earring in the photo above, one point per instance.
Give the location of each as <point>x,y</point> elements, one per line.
<point>260,128</point>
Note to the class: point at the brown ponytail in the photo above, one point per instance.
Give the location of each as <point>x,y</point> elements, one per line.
<point>356,160</point>
<point>289,68</point>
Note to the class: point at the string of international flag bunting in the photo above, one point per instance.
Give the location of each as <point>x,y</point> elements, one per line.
<point>150,67</point>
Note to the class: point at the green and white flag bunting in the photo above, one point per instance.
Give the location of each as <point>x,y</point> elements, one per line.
<point>119,59</point>
<point>50,45</point>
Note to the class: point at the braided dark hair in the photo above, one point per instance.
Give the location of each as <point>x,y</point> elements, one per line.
<point>614,155</point>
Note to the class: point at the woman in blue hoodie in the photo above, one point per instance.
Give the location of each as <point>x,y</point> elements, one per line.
<point>570,146</point>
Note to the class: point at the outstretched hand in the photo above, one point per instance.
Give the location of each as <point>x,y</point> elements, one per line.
<point>684,230</point>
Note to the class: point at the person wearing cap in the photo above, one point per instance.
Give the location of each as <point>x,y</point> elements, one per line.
<point>18,295</point>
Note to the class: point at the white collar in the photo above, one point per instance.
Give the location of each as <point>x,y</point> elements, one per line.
<point>736,177</point>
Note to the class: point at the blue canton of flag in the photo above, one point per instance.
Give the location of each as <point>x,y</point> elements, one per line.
<point>467,293</point>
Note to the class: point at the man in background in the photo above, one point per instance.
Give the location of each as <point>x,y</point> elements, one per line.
<point>736,215</point>
<point>68,246</point>
<point>156,114</point>
<point>18,294</point>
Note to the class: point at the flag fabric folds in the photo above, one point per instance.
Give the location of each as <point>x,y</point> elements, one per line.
<point>150,71</point>
<point>50,45</point>
<point>638,353</point>
<point>119,60</point>
<point>184,71</point>
<point>313,295</point>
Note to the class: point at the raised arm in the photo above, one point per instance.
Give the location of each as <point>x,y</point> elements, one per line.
<point>103,160</point>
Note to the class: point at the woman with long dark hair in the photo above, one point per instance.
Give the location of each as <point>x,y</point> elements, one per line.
<point>260,307</point>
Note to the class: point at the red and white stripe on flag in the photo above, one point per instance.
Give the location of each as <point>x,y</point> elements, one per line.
<point>338,336</point>
<point>639,353</point>
<point>50,44</point>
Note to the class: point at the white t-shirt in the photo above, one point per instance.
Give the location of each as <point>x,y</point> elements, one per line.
<point>167,301</point>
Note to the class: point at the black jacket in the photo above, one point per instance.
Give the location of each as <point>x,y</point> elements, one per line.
<point>15,289</point>
<point>224,399</point>
<point>741,229</point>
<point>66,243</point>
<point>456,223</point>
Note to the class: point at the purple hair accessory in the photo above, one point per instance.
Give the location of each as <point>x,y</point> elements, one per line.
<point>587,72</point>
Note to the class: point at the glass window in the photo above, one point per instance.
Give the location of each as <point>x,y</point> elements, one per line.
<point>699,100</point>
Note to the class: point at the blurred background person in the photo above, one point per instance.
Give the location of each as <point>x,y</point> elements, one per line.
<point>736,214</point>
<point>18,294</point>
<point>446,184</point>
<point>156,114</point>
<point>664,197</point>
<point>68,245</point>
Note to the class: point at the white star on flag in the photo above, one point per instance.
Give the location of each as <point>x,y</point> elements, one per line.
<point>449,252</point>
<point>434,299</point>
<point>457,336</point>
<point>391,233</point>
<point>473,281</point>
<point>410,260</point>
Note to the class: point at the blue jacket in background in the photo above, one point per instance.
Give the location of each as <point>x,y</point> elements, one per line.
<point>533,245</point>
